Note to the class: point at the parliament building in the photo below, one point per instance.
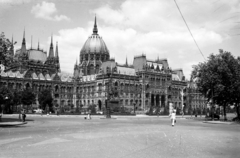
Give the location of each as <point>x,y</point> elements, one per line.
<point>97,78</point>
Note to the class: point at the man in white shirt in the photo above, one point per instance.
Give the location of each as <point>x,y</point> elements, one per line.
<point>173,117</point>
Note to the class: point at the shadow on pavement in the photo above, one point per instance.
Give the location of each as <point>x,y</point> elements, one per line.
<point>13,120</point>
<point>13,126</point>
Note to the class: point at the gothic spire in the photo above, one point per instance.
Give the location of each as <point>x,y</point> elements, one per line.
<point>12,47</point>
<point>56,51</point>
<point>51,52</point>
<point>126,62</point>
<point>38,44</point>
<point>95,29</point>
<point>23,48</point>
<point>24,33</point>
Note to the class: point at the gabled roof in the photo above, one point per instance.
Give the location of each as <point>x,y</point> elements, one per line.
<point>19,75</point>
<point>41,77</point>
<point>16,74</point>
<point>4,74</point>
<point>11,74</point>
<point>47,77</point>
<point>34,76</point>
<point>55,77</point>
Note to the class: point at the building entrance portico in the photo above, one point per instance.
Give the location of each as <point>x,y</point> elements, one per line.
<point>158,99</point>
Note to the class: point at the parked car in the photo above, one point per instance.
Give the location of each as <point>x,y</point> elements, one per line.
<point>38,111</point>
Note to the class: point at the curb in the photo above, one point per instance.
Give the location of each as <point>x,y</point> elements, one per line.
<point>218,122</point>
<point>12,123</point>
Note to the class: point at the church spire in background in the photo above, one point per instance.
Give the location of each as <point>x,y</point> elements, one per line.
<point>126,62</point>
<point>12,47</point>
<point>51,52</point>
<point>38,44</point>
<point>23,48</point>
<point>56,51</point>
<point>95,29</point>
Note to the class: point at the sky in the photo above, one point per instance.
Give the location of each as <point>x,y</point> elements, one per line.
<point>128,27</point>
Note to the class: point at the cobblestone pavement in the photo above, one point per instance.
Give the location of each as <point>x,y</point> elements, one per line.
<point>124,137</point>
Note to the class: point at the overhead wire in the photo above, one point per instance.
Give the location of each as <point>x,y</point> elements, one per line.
<point>189,30</point>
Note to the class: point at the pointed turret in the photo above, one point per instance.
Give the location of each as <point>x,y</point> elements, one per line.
<point>126,62</point>
<point>51,52</point>
<point>76,65</point>
<point>57,58</point>
<point>95,29</point>
<point>38,44</point>
<point>12,48</point>
<point>76,71</point>
<point>23,48</point>
<point>56,51</point>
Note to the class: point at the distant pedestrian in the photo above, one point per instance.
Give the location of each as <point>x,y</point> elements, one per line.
<point>23,115</point>
<point>173,117</point>
<point>89,114</point>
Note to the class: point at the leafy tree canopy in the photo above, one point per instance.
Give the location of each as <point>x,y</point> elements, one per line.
<point>5,47</point>
<point>218,78</point>
<point>45,98</point>
<point>28,97</point>
<point>5,94</point>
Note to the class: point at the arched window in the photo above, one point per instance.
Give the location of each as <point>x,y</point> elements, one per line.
<point>56,88</point>
<point>126,102</point>
<point>97,68</point>
<point>91,70</point>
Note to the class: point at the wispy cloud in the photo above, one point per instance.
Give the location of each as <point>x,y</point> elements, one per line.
<point>47,11</point>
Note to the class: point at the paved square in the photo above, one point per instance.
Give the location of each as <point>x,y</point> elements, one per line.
<point>124,137</point>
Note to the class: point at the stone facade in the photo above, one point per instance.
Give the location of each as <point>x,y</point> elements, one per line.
<point>143,85</point>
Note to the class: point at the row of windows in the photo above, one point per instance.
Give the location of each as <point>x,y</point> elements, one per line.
<point>91,57</point>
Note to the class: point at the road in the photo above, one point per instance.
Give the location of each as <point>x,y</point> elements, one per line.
<point>124,137</point>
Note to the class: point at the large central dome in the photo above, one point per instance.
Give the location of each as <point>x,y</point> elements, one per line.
<point>93,53</point>
<point>94,44</point>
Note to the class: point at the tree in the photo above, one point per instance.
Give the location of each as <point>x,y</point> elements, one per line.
<point>5,99</point>
<point>17,98</point>
<point>45,98</point>
<point>236,90</point>
<point>217,78</point>
<point>28,97</point>
<point>5,47</point>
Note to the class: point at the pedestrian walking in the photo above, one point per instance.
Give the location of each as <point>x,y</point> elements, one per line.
<point>23,115</point>
<point>89,114</point>
<point>173,117</point>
